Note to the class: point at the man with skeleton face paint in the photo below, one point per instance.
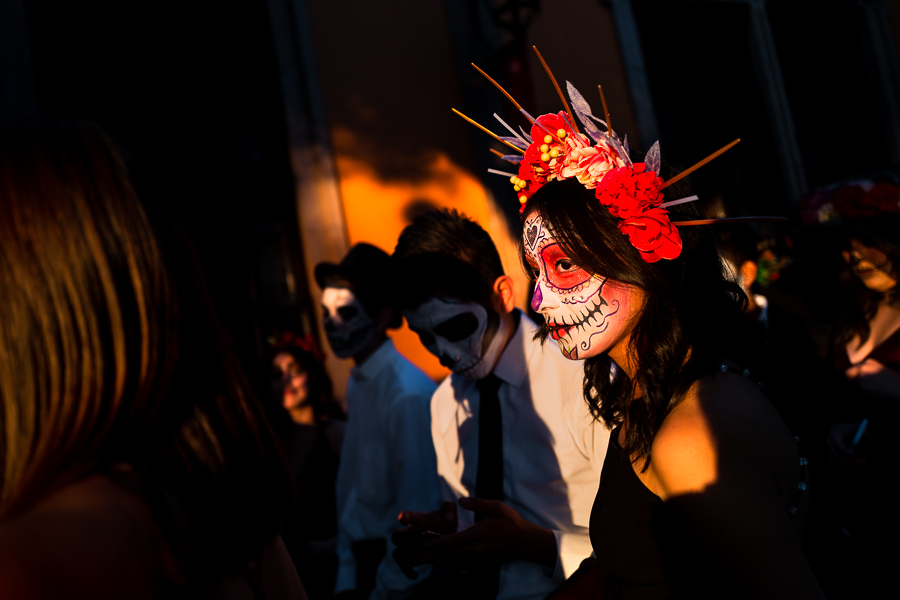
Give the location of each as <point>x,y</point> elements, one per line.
<point>387,461</point>
<point>456,297</point>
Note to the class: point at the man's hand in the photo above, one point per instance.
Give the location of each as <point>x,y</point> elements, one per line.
<point>501,536</point>
<point>442,520</point>
<point>410,542</point>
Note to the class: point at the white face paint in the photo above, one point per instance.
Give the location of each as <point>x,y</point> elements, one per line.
<point>455,332</point>
<point>587,314</point>
<point>347,325</point>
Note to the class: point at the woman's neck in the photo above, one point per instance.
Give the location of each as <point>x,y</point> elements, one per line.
<point>884,323</point>
<point>303,415</point>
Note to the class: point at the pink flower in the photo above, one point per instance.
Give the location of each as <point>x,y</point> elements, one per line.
<point>629,191</point>
<point>653,234</point>
<point>587,163</point>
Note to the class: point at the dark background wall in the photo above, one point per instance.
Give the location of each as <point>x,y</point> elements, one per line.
<point>193,86</point>
<point>199,88</point>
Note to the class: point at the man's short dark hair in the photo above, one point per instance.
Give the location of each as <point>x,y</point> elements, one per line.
<point>444,253</point>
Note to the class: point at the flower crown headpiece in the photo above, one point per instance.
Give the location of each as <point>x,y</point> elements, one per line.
<point>851,199</point>
<point>287,339</point>
<point>555,149</point>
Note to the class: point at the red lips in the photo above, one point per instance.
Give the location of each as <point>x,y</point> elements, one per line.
<point>558,332</point>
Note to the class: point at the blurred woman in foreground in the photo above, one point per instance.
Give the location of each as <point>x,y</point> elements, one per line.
<point>134,461</point>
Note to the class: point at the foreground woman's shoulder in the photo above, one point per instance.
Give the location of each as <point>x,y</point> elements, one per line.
<point>92,538</point>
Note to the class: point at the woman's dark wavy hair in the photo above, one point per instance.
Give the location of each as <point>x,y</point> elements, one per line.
<point>693,315</point>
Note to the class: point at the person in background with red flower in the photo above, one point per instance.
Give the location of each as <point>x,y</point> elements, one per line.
<point>310,424</point>
<point>702,489</point>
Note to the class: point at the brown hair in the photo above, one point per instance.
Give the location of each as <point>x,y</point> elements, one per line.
<point>110,351</point>
<point>84,336</point>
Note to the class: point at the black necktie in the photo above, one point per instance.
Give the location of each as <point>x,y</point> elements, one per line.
<point>489,481</point>
<point>483,581</point>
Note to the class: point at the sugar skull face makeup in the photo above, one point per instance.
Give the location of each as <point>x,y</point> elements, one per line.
<point>587,314</point>
<point>347,325</point>
<point>458,334</point>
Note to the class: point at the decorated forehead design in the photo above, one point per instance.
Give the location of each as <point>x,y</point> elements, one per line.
<point>556,149</point>
<point>546,252</point>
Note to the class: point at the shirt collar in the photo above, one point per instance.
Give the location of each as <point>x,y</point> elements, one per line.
<point>512,367</point>
<point>377,361</point>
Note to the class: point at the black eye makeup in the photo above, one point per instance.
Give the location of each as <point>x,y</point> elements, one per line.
<point>458,328</point>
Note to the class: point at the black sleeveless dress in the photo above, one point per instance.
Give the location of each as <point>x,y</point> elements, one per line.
<point>641,546</point>
<point>622,529</point>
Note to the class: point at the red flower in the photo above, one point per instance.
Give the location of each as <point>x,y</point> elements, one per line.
<point>653,234</point>
<point>532,159</point>
<point>533,170</point>
<point>629,191</point>
<point>551,123</point>
<point>533,180</point>
<point>307,343</point>
<point>848,201</point>
<point>883,198</point>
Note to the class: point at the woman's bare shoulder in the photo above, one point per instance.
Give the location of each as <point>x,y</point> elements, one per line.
<point>724,421</point>
<point>92,536</point>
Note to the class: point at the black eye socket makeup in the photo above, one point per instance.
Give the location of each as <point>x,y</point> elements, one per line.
<point>458,328</point>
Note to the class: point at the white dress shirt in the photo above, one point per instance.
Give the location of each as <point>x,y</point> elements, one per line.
<point>552,452</point>
<point>387,463</point>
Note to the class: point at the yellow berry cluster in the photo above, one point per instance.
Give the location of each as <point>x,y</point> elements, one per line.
<point>547,154</point>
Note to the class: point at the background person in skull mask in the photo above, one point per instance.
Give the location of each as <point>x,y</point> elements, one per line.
<point>515,444</point>
<point>387,462</point>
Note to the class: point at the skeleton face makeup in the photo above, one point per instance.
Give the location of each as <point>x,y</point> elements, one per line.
<point>587,314</point>
<point>458,333</point>
<point>347,325</point>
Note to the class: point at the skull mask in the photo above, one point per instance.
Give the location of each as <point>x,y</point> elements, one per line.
<point>348,326</point>
<point>460,335</point>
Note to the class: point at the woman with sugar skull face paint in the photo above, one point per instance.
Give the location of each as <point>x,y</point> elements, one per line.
<point>585,313</point>
<point>696,450</point>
